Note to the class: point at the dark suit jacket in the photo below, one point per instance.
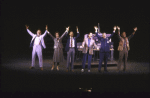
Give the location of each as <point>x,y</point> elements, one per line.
<point>104,43</point>
<point>68,42</point>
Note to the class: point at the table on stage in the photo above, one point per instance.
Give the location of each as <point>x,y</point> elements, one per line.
<point>95,55</point>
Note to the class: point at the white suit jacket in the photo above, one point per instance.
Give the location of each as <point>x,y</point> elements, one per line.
<point>41,37</point>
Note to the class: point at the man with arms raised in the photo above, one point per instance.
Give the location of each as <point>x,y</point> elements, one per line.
<point>104,50</point>
<point>38,44</point>
<point>124,47</point>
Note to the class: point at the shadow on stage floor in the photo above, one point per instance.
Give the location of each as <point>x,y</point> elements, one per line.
<point>16,76</point>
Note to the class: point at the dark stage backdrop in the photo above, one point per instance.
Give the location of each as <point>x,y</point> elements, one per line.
<point>15,39</point>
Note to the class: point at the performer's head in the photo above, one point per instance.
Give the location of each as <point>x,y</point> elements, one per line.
<point>123,34</point>
<point>104,35</point>
<point>71,33</point>
<point>90,35</point>
<point>38,32</point>
<point>57,34</point>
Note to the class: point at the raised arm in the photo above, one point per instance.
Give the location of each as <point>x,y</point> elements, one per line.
<point>49,32</point>
<point>97,33</point>
<point>43,35</point>
<point>29,31</point>
<point>129,37</point>
<point>78,34</point>
<point>119,37</point>
<point>112,33</point>
<point>65,33</point>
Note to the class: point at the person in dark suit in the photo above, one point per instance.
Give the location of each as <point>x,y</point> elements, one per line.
<point>104,50</point>
<point>58,48</point>
<point>70,48</point>
<point>87,45</point>
<point>124,47</point>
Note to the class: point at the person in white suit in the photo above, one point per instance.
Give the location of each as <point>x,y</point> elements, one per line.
<point>38,44</point>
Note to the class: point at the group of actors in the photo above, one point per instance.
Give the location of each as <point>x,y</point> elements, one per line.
<point>38,44</point>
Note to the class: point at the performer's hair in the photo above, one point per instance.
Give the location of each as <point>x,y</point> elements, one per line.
<point>89,33</point>
<point>40,30</point>
<point>122,33</point>
<point>56,32</point>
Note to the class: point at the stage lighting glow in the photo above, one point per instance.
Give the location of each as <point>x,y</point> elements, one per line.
<point>89,90</point>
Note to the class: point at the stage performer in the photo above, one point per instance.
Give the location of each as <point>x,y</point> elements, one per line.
<point>71,46</point>
<point>38,44</point>
<point>124,47</point>
<point>58,48</point>
<point>87,45</point>
<point>105,49</point>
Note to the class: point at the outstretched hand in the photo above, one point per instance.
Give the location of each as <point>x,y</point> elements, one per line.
<point>96,28</point>
<point>67,29</point>
<point>77,28</point>
<point>135,28</point>
<point>26,26</point>
<point>118,27</point>
<point>46,27</point>
<point>114,28</point>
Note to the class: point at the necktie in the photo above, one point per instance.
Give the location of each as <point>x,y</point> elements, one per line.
<point>89,42</point>
<point>71,41</point>
<point>124,42</point>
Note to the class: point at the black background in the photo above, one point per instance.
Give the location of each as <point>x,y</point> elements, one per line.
<point>57,15</point>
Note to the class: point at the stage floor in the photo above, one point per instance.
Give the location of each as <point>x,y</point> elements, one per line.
<point>23,64</point>
<point>16,76</point>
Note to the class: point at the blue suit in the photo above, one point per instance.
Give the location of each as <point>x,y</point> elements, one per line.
<point>68,42</point>
<point>104,51</point>
<point>71,51</point>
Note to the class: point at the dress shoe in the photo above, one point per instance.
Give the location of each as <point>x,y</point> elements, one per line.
<point>82,70</point>
<point>31,67</point>
<point>42,68</point>
<point>89,71</point>
<point>57,68</point>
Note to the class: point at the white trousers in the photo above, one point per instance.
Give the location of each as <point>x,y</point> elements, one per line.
<point>37,50</point>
